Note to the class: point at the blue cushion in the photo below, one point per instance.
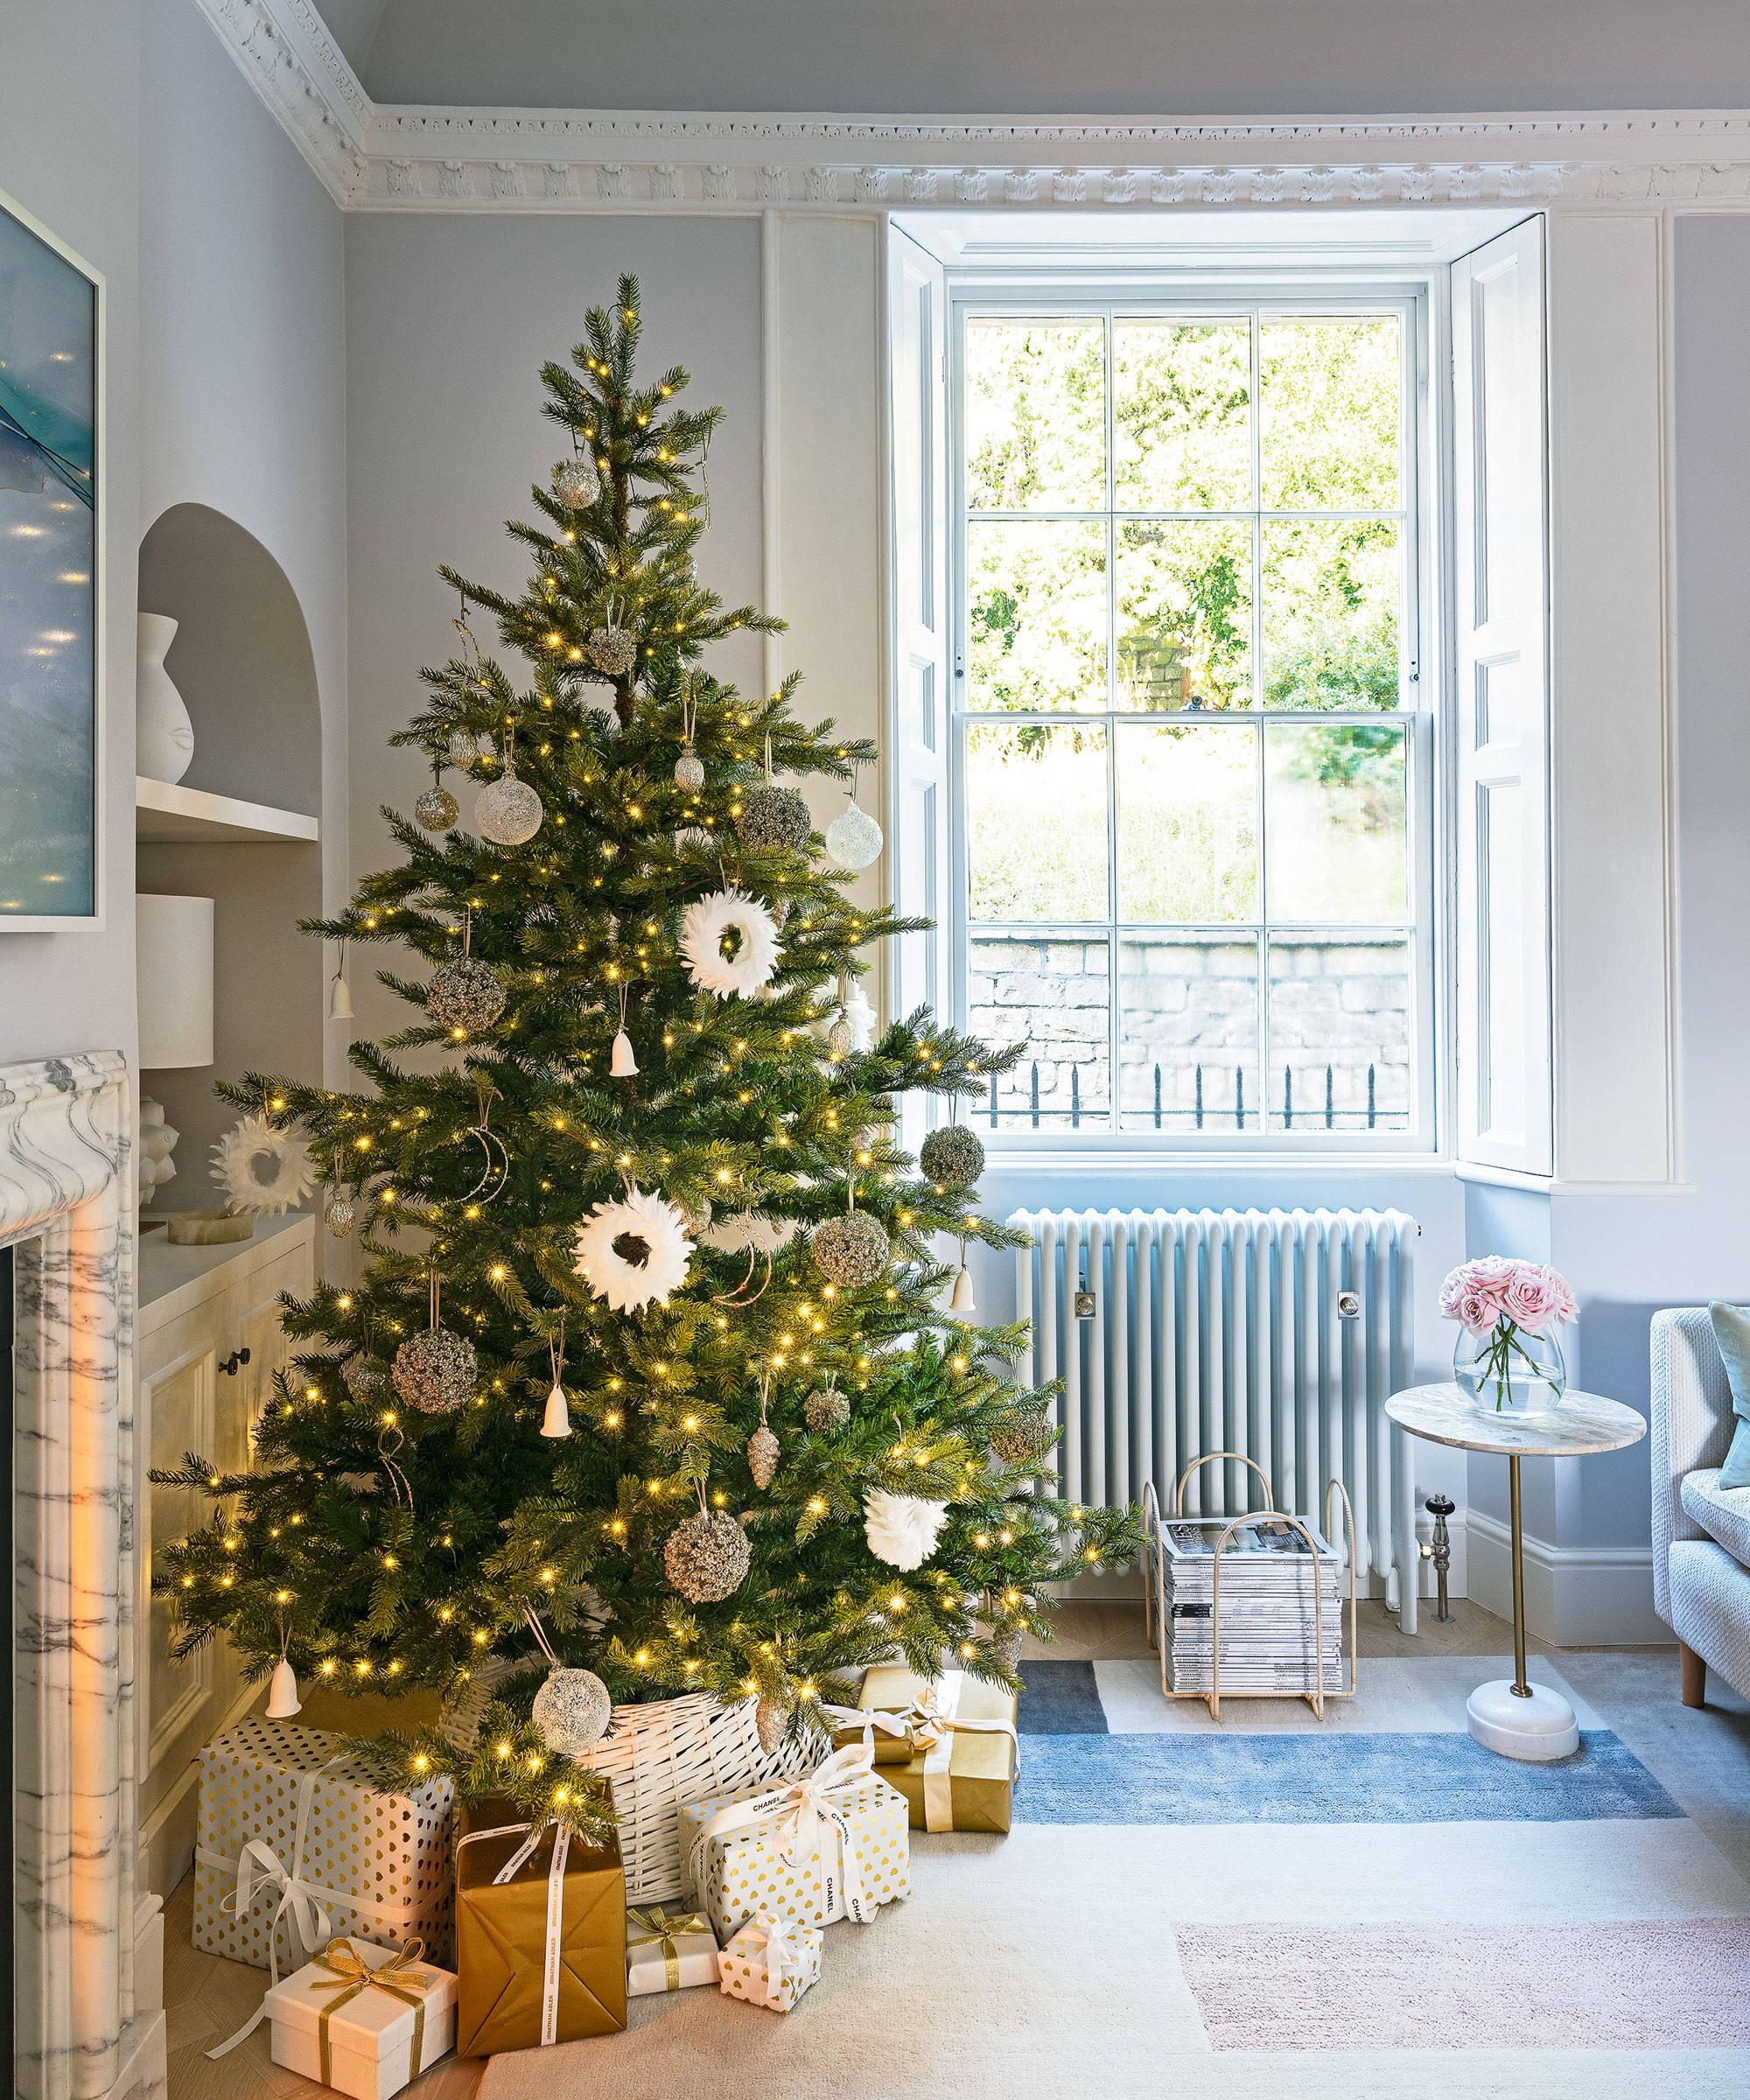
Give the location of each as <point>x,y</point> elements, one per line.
<point>1732,1332</point>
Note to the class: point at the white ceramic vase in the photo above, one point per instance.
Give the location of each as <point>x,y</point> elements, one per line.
<point>163,736</point>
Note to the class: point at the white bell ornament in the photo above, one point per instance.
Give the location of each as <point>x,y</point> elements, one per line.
<point>961,1302</point>
<point>556,1422</point>
<point>625,1065</point>
<point>282,1699</point>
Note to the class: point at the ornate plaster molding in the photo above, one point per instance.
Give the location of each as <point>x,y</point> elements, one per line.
<point>374,157</point>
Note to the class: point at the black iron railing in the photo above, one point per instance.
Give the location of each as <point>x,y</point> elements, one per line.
<point>1330,1116</point>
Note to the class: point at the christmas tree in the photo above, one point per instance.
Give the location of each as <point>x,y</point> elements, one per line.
<point>646,1371</point>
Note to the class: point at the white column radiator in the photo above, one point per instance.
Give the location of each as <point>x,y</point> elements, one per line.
<point>1279,1333</point>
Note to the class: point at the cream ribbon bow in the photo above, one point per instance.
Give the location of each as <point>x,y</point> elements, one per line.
<point>811,1829</point>
<point>260,1869</point>
<point>934,1724</point>
<point>868,1719</point>
<point>784,1958</point>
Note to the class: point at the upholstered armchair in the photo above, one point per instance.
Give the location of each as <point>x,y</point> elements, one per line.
<point>1701,1537</point>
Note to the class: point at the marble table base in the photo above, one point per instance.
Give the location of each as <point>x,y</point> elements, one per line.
<point>1536,1730</point>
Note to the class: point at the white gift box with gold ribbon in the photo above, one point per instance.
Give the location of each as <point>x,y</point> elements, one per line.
<point>834,1844</point>
<point>668,1950</point>
<point>366,2021</point>
<point>770,1962</point>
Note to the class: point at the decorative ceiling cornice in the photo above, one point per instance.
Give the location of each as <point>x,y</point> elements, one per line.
<point>389,157</point>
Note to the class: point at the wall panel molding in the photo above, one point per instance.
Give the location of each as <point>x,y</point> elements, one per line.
<point>372,157</point>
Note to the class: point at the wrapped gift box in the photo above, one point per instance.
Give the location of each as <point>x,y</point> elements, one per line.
<point>771,1964</point>
<point>278,1803</point>
<point>778,1854</point>
<point>964,1781</point>
<point>515,1993</point>
<point>892,1742</point>
<point>668,1951</point>
<point>368,2040</point>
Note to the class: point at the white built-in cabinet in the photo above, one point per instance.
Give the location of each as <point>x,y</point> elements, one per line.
<point>201,1307</point>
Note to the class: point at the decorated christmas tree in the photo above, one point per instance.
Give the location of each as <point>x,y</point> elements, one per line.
<point>645,1373</point>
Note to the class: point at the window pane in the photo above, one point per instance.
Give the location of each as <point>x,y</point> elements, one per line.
<point>1035,414</point>
<point>1050,993</point>
<point>1188,1032</point>
<point>1339,1032</point>
<point>1330,613</point>
<point>1185,615</point>
<point>1187,822</point>
<point>1329,413</point>
<point>1181,404</point>
<point>1037,624</point>
<point>1333,816</point>
<point>1036,823</point>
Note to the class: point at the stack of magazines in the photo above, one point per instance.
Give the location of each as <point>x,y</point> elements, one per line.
<point>1267,1626</point>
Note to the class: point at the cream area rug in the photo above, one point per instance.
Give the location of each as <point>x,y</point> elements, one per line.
<point>1369,1908</point>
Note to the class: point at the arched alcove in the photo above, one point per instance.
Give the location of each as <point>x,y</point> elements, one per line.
<point>242,662</point>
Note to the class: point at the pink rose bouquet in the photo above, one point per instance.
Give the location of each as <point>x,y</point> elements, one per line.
<point>1503,1299</point>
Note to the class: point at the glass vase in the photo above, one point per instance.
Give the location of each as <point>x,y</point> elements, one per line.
<point>1508,1370</point>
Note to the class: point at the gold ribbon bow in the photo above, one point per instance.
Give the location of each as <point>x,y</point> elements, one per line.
<point>660,1927</point>
<point>399,1976</point>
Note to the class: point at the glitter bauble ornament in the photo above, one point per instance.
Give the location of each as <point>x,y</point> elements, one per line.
<point>338,1217</point>
<point>707,1556</point>
<point>467,995</point>
<point>1006,1644</point>
<point>851,1250</point>
<point>840,1037</point>
<point>771,1719</point>
<point>436,809</point>
<point>762,1456</point>
<point>572,1709</point>
<point>507,812</point>
<point>689,770</point>
<point>1025,1437</point>
<point>612,650</point>
<point>773,819</point>
<point>367,1378</point>
<point>825,1409</point>
<point>853,839</point>
<point>434,1371</point>
<point>576,482</point>
<point>467,749</point>
<point>952,1156</point>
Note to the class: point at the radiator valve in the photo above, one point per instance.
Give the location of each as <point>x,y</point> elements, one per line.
<point>1440,1507</point>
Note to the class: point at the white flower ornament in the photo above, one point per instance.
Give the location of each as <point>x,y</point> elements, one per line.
<point>901,1528</point>
<point>629,1285</point>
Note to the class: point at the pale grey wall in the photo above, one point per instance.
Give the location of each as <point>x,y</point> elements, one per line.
<point>1200,58</point>
<point>448,321</point>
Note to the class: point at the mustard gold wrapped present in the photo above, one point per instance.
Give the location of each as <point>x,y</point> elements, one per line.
<point>540,1939</point>
<point>966,1752</point>
<point>366,2021</point>
<point>888,1735</point>
<point>831,1844</point>
<point>668,1950</point>
<point>770,1962</point>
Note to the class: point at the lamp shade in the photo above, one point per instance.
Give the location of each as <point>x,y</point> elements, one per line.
<point>173,945</point>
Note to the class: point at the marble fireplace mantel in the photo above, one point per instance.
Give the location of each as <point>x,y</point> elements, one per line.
<point>67,1204</point>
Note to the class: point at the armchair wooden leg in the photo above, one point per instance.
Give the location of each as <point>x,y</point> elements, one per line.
<point>1694,1675</point>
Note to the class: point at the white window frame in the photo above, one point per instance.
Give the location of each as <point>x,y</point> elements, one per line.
<point>1424,650</point>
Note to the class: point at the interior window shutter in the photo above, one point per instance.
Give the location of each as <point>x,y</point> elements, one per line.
<point>1501,570</point>
<point>918,849</point>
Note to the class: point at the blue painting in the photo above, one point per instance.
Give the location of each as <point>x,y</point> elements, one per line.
<point>48,582</point>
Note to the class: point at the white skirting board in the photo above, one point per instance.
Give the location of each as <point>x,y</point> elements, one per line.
<point>1576,1596</point>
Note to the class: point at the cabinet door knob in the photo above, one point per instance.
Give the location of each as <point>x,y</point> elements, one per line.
<point>231,1363</point>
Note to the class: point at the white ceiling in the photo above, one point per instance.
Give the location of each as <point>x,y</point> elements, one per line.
<point>1018,58</point>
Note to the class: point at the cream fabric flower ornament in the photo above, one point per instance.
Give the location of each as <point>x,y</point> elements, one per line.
<point>632,1250</point>
<point>901,1528</point>
<point>706,924</point>
<point>242,1155</point>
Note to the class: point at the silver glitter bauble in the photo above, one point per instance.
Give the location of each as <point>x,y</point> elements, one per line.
<point>572,1709</point>
<point>771,1720</point>
<point>612,650</point>
<point>707,1556</point>
<point>773,819</point>
<point>467,749</point>
<point>338,1217</point>
<point>434,1371</point>
<point>436,809</point>
<point>1006,1642</point>
<point>1023,1438</point>
<point>851,1250</point>
<point>853,839</point>
<point>507,812</point>
<point>825,1409</point>
<point>576,482</point>
<point>689,769</point>
<point>465,994</point>
<point>952,1156</point>
<point>367,1378</point>
<point>762,1456</point>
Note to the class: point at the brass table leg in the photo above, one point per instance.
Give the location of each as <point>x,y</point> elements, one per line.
<point>1522,1690</point>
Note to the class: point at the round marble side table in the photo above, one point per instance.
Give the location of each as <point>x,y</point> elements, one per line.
<point>1517,1718</point>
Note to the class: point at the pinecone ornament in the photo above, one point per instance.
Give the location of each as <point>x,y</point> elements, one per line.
<point>689,770</point>
<point>1006,1640</point>
<point>826,1410</point>
<point>762,1455</point>
<point>338,1216</point>
<point>771,1719</point>
<point>706,1557</point>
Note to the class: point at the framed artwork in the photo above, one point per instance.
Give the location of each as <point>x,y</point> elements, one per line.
<point>51,652</point>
